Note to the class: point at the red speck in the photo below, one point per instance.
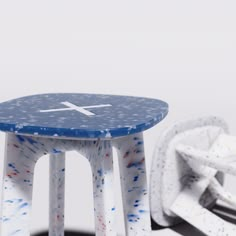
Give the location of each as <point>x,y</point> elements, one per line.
<point>135,164</point>
<point>126,154</point>
<point>15,145</point>
<point>11,173</point>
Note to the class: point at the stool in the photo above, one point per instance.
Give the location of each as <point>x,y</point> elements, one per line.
<point>90,124</point>
<point>188,167</point>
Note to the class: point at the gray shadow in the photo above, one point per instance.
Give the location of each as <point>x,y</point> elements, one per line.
<point>228,214</point>
<point>184,229</point>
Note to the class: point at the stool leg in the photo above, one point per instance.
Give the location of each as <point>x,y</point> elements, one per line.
<point>101,160</point>
<point>19,166</point>
<point>134,184</point>
<point>56,194</point>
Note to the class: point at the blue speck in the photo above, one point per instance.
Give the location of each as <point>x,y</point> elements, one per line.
<point>132,215</point>
<point>139,143</point>
<point>9,201</point>
<point>138,151</point>
<point>56,151</point>
<point>137,164</point>
<point>136,178</point>
<point>31,141</point>
<point>20,138</point>
<point>141,211</point>
<point>25,204</point>
<point>100,172</point>
<point>11,165</point>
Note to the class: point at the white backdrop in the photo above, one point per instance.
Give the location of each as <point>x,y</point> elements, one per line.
<point>183,52</point>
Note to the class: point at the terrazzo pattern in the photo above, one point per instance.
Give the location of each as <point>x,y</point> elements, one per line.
<point>17,185</point>
<point>88,123</point>
<point>135,195</point>
<point>205,148</point>
<point>81,115</point>
<point>56,193</point>
<point>101,160</point>
<point>24,151</point>
<point>22,154</point>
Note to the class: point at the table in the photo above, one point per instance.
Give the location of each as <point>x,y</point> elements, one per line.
<point>90,124</point>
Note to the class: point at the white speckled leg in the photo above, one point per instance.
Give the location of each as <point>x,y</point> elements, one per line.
<point>22,153</point>
<point>99,153</point>
<point>134,184</point>
<point>57,194</point>
<point>20,161</point>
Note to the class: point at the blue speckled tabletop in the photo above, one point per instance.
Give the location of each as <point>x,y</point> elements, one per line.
<point>80,115</point>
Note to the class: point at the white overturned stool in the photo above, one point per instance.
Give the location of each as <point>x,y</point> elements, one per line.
<point>187,174</point>
<point>90,124</point>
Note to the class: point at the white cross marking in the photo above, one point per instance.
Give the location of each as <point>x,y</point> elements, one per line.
<point>72,107</point>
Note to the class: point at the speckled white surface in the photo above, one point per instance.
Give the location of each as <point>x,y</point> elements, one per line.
<point>222,155</point>
<point>131,157</point>
<point>170,173</point>
<point>22,154</point>
<point>56,193</point>
<point>193,153</point>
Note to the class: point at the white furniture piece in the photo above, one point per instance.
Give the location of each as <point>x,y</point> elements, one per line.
<point>188,167</point>
<point>90,124</point>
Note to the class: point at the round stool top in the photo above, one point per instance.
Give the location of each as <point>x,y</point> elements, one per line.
<point>80,115</point>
